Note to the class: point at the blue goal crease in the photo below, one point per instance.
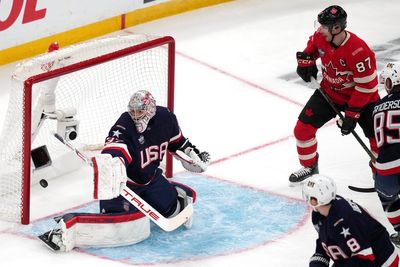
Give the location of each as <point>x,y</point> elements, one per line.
<point>227,219</point>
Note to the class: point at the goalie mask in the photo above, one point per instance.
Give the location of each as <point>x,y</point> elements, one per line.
<point>142,107</point>
<point>319,188</point>
<point>390,77</point>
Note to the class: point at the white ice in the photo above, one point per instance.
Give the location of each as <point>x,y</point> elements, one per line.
<point>231,102</point>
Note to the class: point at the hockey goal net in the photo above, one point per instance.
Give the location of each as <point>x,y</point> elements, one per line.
<point>78,92</point>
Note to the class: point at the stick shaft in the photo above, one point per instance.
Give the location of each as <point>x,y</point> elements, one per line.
<point>372,156</point>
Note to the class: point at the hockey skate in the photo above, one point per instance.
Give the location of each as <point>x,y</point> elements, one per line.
<point>53,240</point>
<point>395,238</point>
<point>298,177</point>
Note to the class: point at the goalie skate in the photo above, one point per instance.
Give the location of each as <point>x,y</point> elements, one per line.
<point>298,177</point>
<point>52,239</point>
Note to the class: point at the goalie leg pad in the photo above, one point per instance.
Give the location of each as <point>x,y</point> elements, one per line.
<point>184,190</point>
<point>100,230</point>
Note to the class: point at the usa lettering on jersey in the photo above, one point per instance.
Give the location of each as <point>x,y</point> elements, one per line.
<point>153,153</point>
<point>336,253</point>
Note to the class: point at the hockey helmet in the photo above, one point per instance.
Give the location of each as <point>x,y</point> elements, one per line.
<point>321,188</point>
<point>390,77</point>
<point>142,107</point>
<point>332,16</point>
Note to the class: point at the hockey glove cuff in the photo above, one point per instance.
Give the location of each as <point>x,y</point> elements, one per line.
<point>351,116</point>
<point>318,260</point>
<point>306,67</point>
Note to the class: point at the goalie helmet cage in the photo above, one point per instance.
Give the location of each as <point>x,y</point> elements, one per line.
<point>97,79</point>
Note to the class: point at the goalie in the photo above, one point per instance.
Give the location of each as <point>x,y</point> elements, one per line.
<point>133,150</point>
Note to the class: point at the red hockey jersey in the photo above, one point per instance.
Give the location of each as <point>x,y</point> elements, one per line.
<point>348,72</point>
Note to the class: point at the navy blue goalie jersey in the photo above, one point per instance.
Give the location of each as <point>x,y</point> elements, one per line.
<point>143,152</point>
<point>351,237</point>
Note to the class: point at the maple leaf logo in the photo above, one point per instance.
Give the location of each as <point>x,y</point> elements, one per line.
<point>338,80</point>
<point>309,112</point>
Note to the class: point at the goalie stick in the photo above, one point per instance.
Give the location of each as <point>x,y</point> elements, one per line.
<point>315,85</point>
<point>167,224</point>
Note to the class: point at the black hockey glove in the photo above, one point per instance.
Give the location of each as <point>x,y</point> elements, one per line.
<point>306,67</point>
<point>351,116</point>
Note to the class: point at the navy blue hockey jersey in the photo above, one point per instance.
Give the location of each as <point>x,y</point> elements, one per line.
<point>351,237</point>
<point>387,134</point>
<point>143,152</point>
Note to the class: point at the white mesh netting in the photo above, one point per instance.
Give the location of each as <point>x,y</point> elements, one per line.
<point>99,93</point>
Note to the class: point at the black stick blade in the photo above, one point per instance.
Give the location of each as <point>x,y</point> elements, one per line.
<point>362,189</point>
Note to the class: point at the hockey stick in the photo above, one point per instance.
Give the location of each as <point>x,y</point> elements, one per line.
<point>315,85</point>
<point>362,189</point>
<point>167,224</point>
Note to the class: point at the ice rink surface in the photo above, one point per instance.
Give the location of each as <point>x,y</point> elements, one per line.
<point>236,96</point>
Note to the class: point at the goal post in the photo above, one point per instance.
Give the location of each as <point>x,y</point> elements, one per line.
<point>78,91</point>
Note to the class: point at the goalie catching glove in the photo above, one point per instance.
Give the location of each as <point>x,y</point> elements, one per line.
<point>109,176</point>
<point>191,158</point>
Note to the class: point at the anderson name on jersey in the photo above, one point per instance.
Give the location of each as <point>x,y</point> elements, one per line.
<point>143,152</point>
<point>386,116</point>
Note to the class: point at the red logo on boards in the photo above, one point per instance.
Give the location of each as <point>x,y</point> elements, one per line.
<point>30,13</point>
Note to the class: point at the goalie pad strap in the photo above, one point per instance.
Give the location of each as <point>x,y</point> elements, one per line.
<point>70,219</point>
<point>95,178</point>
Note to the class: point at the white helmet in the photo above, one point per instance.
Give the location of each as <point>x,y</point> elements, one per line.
<point>142,107</point>
<point>390,76</point>
<point>321,188</point>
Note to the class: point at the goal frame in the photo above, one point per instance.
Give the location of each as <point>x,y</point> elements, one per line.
<point>27,99</point>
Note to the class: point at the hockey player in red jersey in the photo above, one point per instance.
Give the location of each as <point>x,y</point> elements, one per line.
<point>349,80</point>
<point>386,116</point>
<point>347,234</point>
